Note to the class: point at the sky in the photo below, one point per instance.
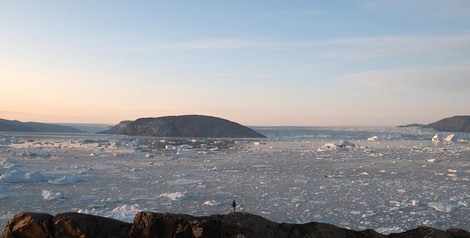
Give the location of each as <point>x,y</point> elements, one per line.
<point>263,63</point>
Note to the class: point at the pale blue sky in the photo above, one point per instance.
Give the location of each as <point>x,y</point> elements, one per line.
<point>254,62</point>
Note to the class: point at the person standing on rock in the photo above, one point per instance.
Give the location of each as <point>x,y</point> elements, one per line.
<point>234,206</point>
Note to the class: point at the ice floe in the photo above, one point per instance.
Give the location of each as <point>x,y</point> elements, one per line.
<point>176,196</point>
<point>19,176</point>
<point>125,212</point>
<point>342,145</point>
<point>443,206</point>
<point>409,182</point>
<point>37,153</point>
<point>10,163</point>
<point>65,180</point>
<point>450,137</point>
<point>49,195</point>
<point>211,203</point>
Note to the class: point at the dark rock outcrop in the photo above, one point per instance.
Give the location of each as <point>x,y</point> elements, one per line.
<point>27,224</point>
<point>17,126</point>
<point>184,126</point>
<point>424,231</point>
<point>84,225</point>
<point>158,225</point>
<point>452,124</point>
<point>39,225</point>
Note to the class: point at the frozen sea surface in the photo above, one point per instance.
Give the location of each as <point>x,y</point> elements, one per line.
<point>389,185</point>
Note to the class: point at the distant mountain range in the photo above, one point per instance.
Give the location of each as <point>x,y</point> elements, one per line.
<point>184,126</point>
<point>413,125</point>
<point>17,126</point>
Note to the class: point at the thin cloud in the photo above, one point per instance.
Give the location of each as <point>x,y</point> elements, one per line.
<point>197,45</point>
<point>442,8</point>
<point>396,46</point>
<point>453,79</point>
<point>364,48</point>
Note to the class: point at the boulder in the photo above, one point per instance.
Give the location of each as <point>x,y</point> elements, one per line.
<point>40,225</point>
<point>84,225</point>
<point>29,225</point>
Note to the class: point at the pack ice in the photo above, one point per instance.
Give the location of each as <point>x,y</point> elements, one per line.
<point>331,175</point>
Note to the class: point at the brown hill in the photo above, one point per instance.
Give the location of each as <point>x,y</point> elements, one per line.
<point>452,124</point>
<point>184,126</point>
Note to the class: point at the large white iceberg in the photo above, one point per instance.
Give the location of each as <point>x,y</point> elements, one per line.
<point>451,137</point>
<point>342,145</point>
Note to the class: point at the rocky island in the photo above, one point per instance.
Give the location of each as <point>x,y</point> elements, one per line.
<point>184,126</point>
<point>149,224</point>
<point>18,126</point>
<point>452,124</point>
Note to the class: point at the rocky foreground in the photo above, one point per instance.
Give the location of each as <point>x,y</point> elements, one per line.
<point>148,224</point>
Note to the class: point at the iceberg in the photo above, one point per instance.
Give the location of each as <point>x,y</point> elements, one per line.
<point>49,195</point>
<point>342,145</point>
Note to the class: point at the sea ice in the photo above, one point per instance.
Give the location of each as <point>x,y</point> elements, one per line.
<point>4,191</point>
<point>442,206</point>
<point>8,163</point>
<point>125,212</point>
<point>183,182</point>
<point>65,180</point>
<point>211,203</point>
<point>388,230</point>
<point>286,180</point>
<point>176,196</point>
<point>38,153</point>
<point>18,176</point>
<point>342,145</point>
<point>49,195</point>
